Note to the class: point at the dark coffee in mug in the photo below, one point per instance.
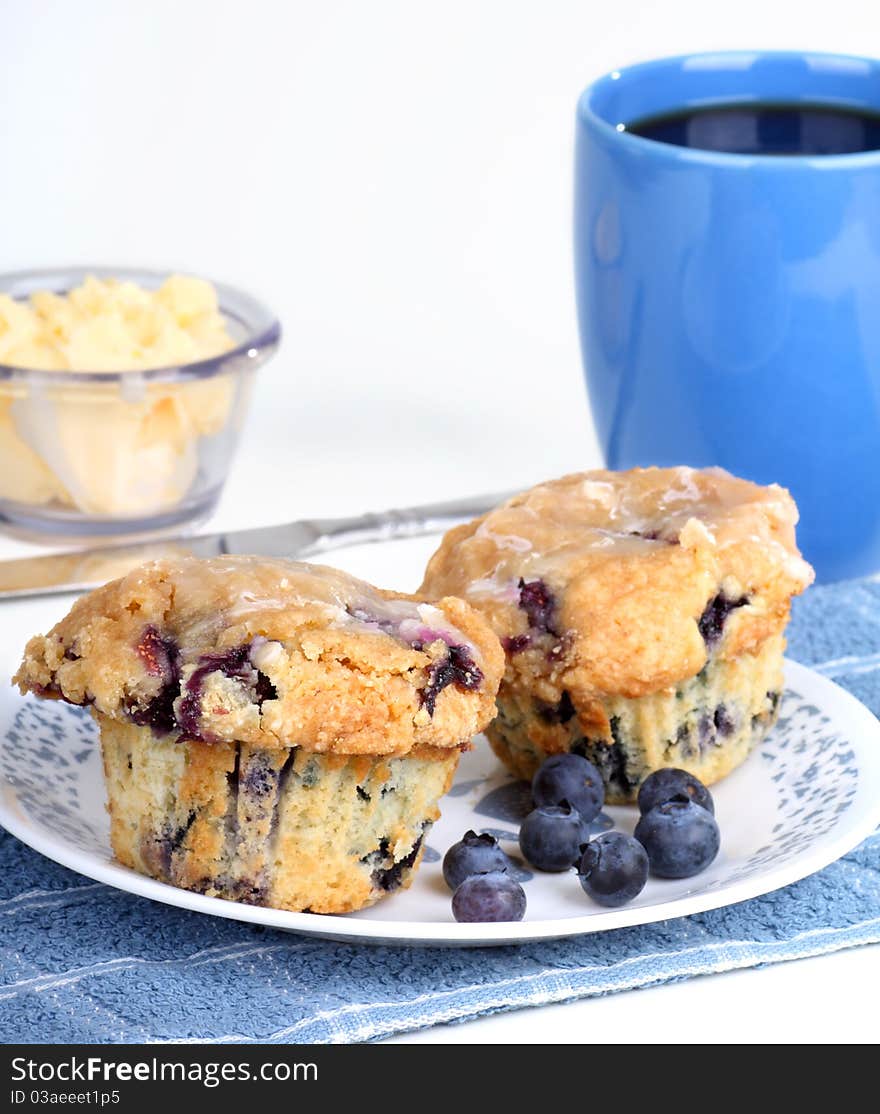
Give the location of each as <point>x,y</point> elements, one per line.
<point>766,129</point>
<point>727,302</point>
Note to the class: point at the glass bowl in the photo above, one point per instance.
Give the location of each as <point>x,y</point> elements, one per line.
<point>85,453</point>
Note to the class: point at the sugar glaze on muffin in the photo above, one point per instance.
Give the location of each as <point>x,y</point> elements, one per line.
<point>272,732</point>
<point>642,614</point>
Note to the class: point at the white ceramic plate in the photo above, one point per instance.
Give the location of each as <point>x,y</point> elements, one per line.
<point>806,796</point>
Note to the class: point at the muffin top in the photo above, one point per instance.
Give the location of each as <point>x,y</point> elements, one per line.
<point>625,582</point>
<point>274,653</point>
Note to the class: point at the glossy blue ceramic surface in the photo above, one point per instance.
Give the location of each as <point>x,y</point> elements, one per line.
<point>729,305</point>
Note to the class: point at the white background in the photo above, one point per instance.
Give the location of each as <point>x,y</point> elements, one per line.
<point>394,178</point>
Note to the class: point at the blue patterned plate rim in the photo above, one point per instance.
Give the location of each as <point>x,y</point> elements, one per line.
<point>816,781</point>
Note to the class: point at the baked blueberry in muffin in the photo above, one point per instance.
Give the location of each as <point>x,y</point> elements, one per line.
<point>272,732</point>
<point>642,617</point>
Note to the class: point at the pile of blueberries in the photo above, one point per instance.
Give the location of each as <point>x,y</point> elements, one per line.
<point>676,837</point>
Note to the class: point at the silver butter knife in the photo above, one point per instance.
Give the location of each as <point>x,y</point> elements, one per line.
<point>79,570</point>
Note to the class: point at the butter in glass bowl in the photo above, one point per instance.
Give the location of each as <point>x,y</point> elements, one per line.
<point>122,394</point>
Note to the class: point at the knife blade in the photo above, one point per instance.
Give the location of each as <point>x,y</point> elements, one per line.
<point>79,570</point>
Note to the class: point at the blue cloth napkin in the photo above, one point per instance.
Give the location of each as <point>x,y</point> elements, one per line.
<point>82,962</point>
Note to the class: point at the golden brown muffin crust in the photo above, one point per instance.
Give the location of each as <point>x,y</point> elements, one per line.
<point>630,561</point>
<point>272,653</point>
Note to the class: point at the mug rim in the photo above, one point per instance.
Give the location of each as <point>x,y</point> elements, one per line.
<point>587,113</point>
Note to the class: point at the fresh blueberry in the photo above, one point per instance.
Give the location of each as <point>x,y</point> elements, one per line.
<point>473,854</point>
<point>669,784</point>
<point>681,838</point>
<point>569,777</point>
<point>613,869</point>
<point>489,897</point>
<point>551,836</point>
<point>610,759</point>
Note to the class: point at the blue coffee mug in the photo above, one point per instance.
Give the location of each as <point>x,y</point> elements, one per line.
<point>729,304</point>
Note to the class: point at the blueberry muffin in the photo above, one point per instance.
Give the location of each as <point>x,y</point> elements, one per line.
<point>642,615</point>
<point>272,732</point>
